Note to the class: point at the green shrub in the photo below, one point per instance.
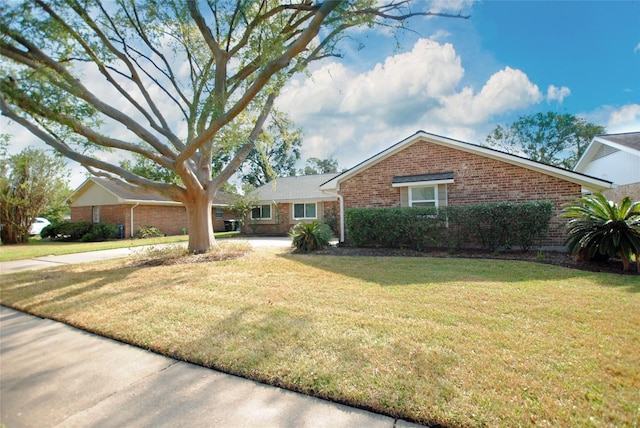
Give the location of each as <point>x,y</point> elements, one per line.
<point>490,226</point>
<point>80,231</point>
<point>148,232</point>
<point>101,232</point>
<point>312,236</point>
<point>67,231</point>
<point>599,227</point>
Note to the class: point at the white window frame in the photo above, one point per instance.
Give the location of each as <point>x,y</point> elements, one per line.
<point>219,212</point>
<point>261,206</point>
<point>305,216</point>
<point>95,214</point>
<point>435,195</point>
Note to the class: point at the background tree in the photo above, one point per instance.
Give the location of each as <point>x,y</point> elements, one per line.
<point>275,154</point>
<point>551,138</point>
<point>175,82</point>
<point>320,166</point>
<point>31,182</point>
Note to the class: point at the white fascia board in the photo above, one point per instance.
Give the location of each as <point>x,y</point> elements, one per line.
<point>587,155</point>
<point>620,147</point>
<point>333,184</point>
<point>574,177</point>
<point>150,202</point>
<point>593,148</point>
<point>297,200</point>
<point>422,183</point>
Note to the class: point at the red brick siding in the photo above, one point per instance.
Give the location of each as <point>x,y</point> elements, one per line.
<point>278,225</point>
<point>281,220</point>
<point>169,219</point>
<point>476,179</point>
<point>630,190</point>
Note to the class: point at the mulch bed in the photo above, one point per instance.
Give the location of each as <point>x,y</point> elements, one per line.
<point>546,257</point>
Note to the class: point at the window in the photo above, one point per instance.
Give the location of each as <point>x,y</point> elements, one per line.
<point>261,212</point>
<point>423,196</point>
<point>304,210</point>
<point>95,213</point>
<point>219,213</point>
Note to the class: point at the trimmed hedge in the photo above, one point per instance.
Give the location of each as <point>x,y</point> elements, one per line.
<point>80,231</point>
<point>489,226</point>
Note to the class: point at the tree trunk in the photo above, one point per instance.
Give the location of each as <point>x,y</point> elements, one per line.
<point>200,227</point>
<point>10,234</point>
<point>626,264</point>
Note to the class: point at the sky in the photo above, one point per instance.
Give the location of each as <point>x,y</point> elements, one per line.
<point>460,78</point>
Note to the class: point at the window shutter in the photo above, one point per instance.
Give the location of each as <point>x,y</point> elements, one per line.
<point>404,197</point>
<point>442,195</point>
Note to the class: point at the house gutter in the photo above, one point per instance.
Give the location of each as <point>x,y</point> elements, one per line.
<point>131,218</point>
<point>341,199</point>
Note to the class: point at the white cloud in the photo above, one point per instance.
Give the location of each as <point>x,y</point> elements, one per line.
<point>507,90</point>
<point>352,116</point>
<point>618,119</point>
<point>414,79</point>
<point>557,94</point>
<point>637,48</point>
<point>624,119</point>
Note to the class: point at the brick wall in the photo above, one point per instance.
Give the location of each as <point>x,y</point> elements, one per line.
<point>169,219</point>
<point>477,179</point>
<point>630,190</point>
<point>281,220</point>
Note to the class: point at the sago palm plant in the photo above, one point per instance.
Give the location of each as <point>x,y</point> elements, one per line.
<point>598,226</point>
<point>310,236</point>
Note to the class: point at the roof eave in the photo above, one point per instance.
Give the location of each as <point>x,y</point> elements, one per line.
<point>575,177</point>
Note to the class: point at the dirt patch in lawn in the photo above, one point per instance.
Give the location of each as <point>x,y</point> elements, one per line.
<point>546,257</point>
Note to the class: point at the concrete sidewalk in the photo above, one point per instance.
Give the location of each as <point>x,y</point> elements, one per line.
<point>56,375</point>
<point>53,375</point>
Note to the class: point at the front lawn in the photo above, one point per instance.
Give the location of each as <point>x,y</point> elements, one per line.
<point>44,247</point>
<point>439,341</point>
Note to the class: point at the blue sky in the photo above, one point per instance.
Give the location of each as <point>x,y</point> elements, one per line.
<point>461,78</point>
<point>510,58</point>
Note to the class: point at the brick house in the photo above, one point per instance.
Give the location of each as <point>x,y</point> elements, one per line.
<point>430,170</point>
<point>99,199</point>
<point>614,157</point>
<point>286,201</point>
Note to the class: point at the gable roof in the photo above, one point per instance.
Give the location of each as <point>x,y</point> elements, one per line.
<point>591,183</point>
<point>295,188</point>
<point>126,196</point>
<point>607,144</point>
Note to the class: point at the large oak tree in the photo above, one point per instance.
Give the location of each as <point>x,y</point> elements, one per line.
<point>175,82</point>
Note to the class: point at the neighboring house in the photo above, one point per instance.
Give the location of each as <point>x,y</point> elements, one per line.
<point>614,157</point>
<point>102,200</point>
<point>431,170</point>
<point>286,201</point>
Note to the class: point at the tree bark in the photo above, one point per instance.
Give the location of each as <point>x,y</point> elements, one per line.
<point>10,235</point>
<point>200,227</point>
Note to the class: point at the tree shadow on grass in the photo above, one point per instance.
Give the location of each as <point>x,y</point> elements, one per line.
<point>63,289</point>
<point>408,270</point>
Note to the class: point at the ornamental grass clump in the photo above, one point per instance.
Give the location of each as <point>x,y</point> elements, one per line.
<point>598,227</point>
<point>307,237</point>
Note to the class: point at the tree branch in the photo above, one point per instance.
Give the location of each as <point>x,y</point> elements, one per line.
<point>169,190</point>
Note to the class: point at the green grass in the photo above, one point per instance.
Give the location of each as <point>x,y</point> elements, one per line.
<point>439,341</point>
<point>43,247</point>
